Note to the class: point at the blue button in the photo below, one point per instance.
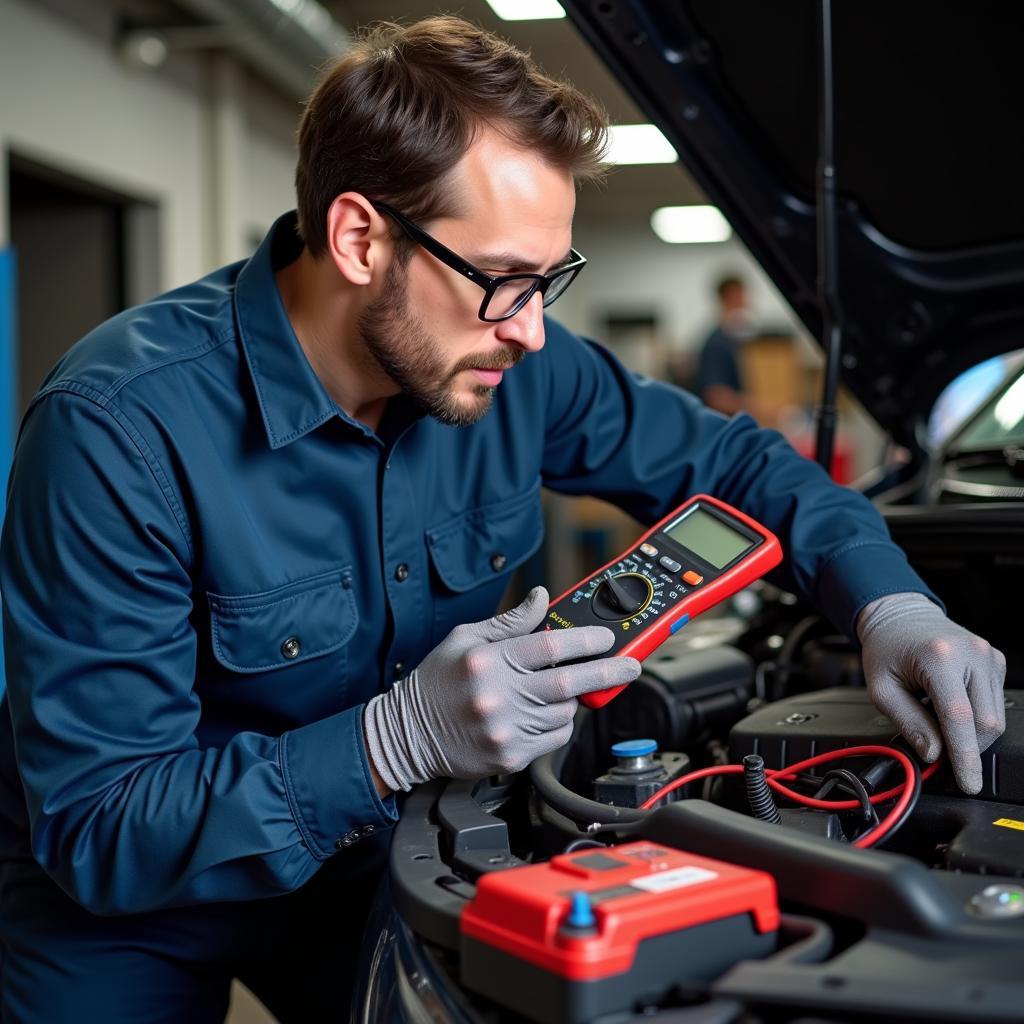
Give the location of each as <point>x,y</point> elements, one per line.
<point>679,623</point>
<point>634,748</point>
<point>581,913</point>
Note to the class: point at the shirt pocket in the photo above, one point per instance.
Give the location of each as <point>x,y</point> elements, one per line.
<point>286,626</point>
<point>473,554</point>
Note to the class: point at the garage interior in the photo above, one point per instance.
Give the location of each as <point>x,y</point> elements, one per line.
<point>146,143</point>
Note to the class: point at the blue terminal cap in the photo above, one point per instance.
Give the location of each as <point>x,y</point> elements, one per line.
<point>634,748</point>
<point>581,913</point>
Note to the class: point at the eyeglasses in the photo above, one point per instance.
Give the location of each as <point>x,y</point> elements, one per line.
<point>505,295</point>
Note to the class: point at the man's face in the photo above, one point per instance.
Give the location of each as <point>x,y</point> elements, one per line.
<point>420,365</point>
<point>423,329</point>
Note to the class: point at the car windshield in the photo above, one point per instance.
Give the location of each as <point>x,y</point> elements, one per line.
<point>1000,422</point>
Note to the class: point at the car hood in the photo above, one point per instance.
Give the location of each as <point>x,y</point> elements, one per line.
<point>929,165</point>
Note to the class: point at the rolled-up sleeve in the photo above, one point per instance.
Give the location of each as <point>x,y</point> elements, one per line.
<point>127,811</point>
<point>647,446</point>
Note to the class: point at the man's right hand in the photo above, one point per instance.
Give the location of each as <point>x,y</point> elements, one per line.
<point>490,698</point>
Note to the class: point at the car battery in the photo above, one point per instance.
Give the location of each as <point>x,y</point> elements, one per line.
<point>602,931</point>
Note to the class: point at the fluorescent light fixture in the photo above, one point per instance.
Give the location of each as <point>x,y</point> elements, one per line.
<point>526,10</point>
<point>1009,410</point>
<point>307,13</point>
<point>639,144</point>
<point>690,224</point>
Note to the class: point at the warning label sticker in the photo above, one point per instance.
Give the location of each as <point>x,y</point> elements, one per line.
<point>663,881</point>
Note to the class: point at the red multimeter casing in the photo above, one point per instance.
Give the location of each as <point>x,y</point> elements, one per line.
<point>701,553</point>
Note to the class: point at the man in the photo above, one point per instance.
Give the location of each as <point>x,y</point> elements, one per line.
<point>719,377</point>
<point>242,511</point>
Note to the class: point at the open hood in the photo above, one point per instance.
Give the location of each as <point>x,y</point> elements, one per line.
<point>929,107</point>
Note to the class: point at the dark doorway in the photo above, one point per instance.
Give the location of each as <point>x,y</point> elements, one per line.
<point>78,246</point>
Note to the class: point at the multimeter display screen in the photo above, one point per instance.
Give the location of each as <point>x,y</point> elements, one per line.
<point>706,535</point>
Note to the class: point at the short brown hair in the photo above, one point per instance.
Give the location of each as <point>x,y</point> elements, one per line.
<point>402,105</point>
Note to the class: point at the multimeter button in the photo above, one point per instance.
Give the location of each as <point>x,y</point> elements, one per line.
<point>649,550</point>
<point>670,564</point>
<point>678,624</point>
<point>693,578</point>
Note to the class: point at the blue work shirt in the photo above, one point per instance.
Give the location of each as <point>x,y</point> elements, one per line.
<point>208,568</point>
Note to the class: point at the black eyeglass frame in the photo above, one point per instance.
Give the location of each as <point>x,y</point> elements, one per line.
<point>538,282</point>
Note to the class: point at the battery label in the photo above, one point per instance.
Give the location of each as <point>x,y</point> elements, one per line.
<point>677,878</point>
<point>1010,823</point>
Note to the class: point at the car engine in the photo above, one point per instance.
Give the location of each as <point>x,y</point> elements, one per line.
<point>926,925</point>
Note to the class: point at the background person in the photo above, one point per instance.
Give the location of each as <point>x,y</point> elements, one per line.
<point>719,379</point>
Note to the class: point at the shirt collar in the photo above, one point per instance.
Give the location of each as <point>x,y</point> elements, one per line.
<point>292,398</point>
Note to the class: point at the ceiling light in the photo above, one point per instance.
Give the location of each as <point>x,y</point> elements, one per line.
<point>144,50</point>
<point>526,10</point>
<point>690,224</point>
<point>639,144</point>
<point>307,13</point>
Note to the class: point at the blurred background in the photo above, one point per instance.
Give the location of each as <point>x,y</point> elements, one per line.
<point>148,141</point>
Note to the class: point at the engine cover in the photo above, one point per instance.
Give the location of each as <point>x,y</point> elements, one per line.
<point>801,726</point>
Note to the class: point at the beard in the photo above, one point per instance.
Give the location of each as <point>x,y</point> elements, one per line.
<point>415,360</point>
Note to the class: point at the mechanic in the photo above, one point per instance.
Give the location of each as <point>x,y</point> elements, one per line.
<point>256,525</point>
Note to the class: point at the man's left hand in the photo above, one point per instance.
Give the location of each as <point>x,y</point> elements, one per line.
<point>911,649</point>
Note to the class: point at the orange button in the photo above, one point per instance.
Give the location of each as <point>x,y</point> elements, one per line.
<point>693,578</point>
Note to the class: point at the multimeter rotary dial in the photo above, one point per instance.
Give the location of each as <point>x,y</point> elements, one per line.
<point>620,596</point>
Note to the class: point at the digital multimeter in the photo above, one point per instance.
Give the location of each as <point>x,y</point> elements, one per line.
<point>701,553</point>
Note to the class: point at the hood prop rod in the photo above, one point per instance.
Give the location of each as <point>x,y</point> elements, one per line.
<point>828,255</point>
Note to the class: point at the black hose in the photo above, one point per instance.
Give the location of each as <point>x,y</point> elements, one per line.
<point>914,797</point>
<point>545,774</point>
<point>762,803</point>
<point>584,844</point>
<point>850,783</point>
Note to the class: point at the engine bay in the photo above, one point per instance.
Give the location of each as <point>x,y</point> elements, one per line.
<point>926,925</point>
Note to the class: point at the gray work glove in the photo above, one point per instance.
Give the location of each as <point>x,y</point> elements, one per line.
<point>490,698</point>
<point>911,648</point>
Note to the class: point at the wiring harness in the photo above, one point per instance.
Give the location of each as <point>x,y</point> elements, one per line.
<point>778,780</point>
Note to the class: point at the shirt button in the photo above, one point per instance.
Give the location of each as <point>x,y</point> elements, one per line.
<point>498,562</point>
<point>291,648</point>
<point>346,840</point>
<point>368,830</point>
<point>402,572</point>
<point>399,668</point>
